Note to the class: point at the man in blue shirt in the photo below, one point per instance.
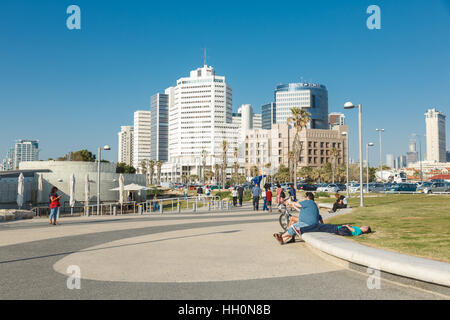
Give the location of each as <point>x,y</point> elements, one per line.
<point>292,192</point>
<point>309,216</point>
<point>256,193</point>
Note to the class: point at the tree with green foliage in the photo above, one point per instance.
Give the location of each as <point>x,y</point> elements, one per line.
<point>124,168</point>
<point>299,119</point>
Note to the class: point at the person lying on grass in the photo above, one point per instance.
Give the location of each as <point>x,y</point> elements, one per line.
<point>344,230</point>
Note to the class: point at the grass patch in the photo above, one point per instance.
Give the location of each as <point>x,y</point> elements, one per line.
<point>409,223</point>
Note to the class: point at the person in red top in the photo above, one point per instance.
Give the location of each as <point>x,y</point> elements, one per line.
<point>54,205</point>
<point>269,199</point>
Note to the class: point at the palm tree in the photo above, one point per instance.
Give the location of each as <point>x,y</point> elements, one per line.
<point>144,169</point>
<point>306,173</point>
<point>267,166</point>
<point>291,164</point>
<point>334,153</point>
<point>209,174</point>
<point>224,162</point>
<point>254,171</point>
<point>204,155</point>
<point>236,165</point>
<point>216,172</point>
<point>151,170</point>
<point>299,119</point>
<point>159,164</point>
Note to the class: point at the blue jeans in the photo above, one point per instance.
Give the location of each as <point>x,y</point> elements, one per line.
<point>53,213</point>
<point>295,228</point>
<point>265,207</point>
<point>155,206</point>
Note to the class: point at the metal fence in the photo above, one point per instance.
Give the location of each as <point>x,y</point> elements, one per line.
<point>188,204</point>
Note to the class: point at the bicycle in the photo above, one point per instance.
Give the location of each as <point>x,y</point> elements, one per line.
<point>284,218</point>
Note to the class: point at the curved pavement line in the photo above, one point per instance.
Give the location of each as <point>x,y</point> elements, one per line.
<point>221,253</point>
<point>17,236</point>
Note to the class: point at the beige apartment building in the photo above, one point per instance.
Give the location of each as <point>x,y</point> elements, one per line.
<point>272,147</point>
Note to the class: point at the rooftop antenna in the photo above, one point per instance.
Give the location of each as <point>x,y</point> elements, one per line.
<point>204,57</point>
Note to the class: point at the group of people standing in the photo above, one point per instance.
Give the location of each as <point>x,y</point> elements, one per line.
<point>265,194</point>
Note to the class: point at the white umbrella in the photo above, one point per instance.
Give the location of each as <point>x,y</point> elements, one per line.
<point>40,190</point>
<point>87,190</point>
<point>131,187</point>
<point>72,192</point>
<point>20,189</point>
<point>121,189</point>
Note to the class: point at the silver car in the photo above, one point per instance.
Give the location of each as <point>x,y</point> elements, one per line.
<point>437,187</point>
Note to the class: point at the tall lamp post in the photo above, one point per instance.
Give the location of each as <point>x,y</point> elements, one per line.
<point>349,105</point>
<point>345,134</point>
<point>420,155</point>
<point>370,144</point>
<point>99,160</point>
<point>380,131</point>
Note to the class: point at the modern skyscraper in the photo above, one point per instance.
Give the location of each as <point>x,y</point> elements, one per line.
<point>200,116</point>
<point>159,108</point>
<point>8,161</point>
<point>25,150</point>
<point>435,126</point>
<point>268,115</point>
<point>390,161</point>
<point>312,97</point>
<point>141,138</point>
<point>125,145</point>
<point>412,156</point>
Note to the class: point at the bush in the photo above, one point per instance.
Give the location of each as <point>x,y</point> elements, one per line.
<point>247,195</point>
<point>321,194</point>
<point>224,195</point>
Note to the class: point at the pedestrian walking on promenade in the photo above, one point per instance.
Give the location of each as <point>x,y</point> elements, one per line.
<point>268,199</point>
<point>234,193</point>
<point>240,194</point>
<point>256,193</point>
<point>54,205</point>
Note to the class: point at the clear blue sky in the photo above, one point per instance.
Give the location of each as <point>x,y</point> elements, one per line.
<point>74,89</point>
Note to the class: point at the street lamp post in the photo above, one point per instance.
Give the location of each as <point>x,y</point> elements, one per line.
<point>380,131</point>
<point>370,144</point>
<point>349,105</point>
<point>345,134</point>
<point>420,155</point>
<point>98,174</point>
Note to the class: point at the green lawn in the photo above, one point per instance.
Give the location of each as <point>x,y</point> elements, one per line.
<point>413,224</point>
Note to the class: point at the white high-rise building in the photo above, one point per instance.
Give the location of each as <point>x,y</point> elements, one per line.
<point>435,126</point>
<point>390,161</point>
<point>125,145</point>
<point>25,150</point>
<point>200,117</point>
<point>141,138</point>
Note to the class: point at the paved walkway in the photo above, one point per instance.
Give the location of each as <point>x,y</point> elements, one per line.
<point>204,256</point>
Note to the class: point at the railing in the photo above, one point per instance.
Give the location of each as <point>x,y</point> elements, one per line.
<point>193,204</point>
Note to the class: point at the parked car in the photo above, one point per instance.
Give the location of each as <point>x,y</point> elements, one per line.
<point>403,187</point>
<point>436,187</point>
<point>329,188</point>
<point>422,185</point>
<point>377,187</point>
<point>306,187</point>
<point>354,188</point>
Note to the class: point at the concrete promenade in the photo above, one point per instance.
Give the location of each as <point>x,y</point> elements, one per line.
<point>225,255</point>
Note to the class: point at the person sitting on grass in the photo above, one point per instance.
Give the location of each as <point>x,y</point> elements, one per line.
<point>344,230</point>
<point>340,203</point>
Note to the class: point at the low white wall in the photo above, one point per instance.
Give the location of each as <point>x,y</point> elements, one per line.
<point>59,177</point>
